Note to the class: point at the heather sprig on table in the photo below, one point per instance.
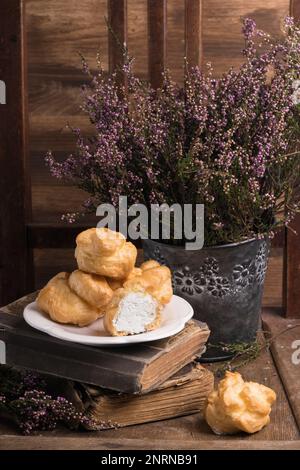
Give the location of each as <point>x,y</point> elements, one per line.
<point>23,397</point>
<point>229,142</point>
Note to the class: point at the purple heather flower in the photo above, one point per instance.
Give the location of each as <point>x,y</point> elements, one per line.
<point>23,395</point>
<point>218,141</point>
<point>289,21</point>
<point>249,28</point>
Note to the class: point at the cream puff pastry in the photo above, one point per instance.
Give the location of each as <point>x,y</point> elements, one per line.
<point>132,311</point>
<point>92,288</point>
<point>239,406</point>
<point>63,305</point>
<point>118,283</point>
<point>105,252</point>
<point>155,279</point>
<point>151,263</point>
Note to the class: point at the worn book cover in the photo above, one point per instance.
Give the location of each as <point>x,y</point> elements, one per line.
<point>136,368</point>
<point>183,394</point>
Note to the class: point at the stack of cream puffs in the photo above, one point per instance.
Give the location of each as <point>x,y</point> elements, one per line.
<point>107,284</point>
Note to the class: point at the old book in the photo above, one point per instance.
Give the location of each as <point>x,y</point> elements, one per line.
<point>183,394</point>
<point>132,369</point>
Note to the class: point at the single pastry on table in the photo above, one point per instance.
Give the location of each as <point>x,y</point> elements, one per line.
<point>132,311</point>
<point>239,406</point>
<point>92,288</point>
<point>105,252</point>
<point>63,305</point>
<point>155,279</point>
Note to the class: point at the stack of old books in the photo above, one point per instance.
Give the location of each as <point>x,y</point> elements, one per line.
<point>118,386</point>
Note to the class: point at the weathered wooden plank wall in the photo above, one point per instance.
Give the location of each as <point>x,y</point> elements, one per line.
<point>58,30</point>
<point>291,272</point>
<point>15,203</point>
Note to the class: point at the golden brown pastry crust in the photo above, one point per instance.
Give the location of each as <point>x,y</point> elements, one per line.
<point>118,283</point>
<point>102,251</point>
<point>102,240</point>
<point>112,311</point>
<point>92,288</point>
<point>115,284</point>
<point>155,279</point>
<point>151,263</point>
<point>239,406</point>
<point>134,273</point>
<point>63,305</point>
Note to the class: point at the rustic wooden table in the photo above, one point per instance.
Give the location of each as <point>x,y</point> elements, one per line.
<point>273,368</point>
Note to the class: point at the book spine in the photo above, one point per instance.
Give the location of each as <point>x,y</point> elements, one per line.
<point>120,369</point>
<point>79,364</point>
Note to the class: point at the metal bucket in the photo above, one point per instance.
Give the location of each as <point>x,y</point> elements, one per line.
<point>224,284</point>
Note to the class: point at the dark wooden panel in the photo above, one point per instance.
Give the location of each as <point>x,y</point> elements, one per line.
<point>54,235</point>
<point>175,39</point>
<point>284,349</point>
<point>295,9</point>
<point>137,39</point>
<point>157,40</point>
<point>222,40</point>
<point>273,283</point>
<point>58,30</point>
<point>51,261</point>
<point>54,201</point>
<point>101,441</point>
<point>291,280</point>
<point>58,235</point>
<point>279,238</point>
<point>193,32</point>
<point>117,36</point>
<point>15,202</point>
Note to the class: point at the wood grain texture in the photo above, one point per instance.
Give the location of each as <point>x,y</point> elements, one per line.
<point>49,262</point>
<point>291,274</point>
<point>193,32</point>
<point>295,9</point>
<point>291,280</point>
<point>117,36</point>
<point>190,432</point>
<point>175,39</point>
<point>58,30</point>
<point>15,196</point>
<point>222,39</point>
<point>137,39</point>
<point>287,359</point>
<point>272,296</point>
<point>183,394</point>
<point>88,442</point>
<point>51,236</point>
<point>157,40</point>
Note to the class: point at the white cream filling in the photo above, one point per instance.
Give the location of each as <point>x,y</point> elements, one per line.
<point>136,311</point>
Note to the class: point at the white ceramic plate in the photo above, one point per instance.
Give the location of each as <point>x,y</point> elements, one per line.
<point>174,316</point>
